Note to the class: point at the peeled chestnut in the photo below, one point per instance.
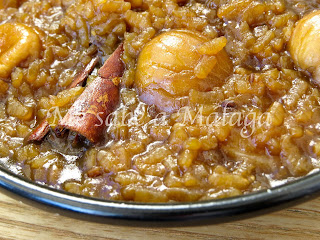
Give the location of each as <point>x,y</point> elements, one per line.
<point>304,45</point>
<point>18,42</point>
<point>175,62</point>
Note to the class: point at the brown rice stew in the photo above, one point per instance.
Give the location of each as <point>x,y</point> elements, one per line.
<point>201,100</point>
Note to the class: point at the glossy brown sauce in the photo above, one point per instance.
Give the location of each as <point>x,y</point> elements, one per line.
<point>214,101</point>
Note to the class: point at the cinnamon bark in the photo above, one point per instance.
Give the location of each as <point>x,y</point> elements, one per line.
<point>40,131</point>
<point>43,128</point>
<point>89,112</point>
<point>82,76</point>
<point>113,66</point>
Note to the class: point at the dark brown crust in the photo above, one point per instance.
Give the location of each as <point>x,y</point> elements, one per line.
<point>40,131</point>
<point>89,112</point>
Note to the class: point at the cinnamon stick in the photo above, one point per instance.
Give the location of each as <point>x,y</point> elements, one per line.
<point>43,128</point>
<point>82,76</point>
<point>88,113</point>
<point>113,66</point>
<point>40,131</point>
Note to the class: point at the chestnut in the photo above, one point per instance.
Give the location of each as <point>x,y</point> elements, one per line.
<point>175,62</point>
<point>304,45</point>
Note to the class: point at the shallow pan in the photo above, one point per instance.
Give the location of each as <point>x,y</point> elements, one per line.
<point>281,196</point>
